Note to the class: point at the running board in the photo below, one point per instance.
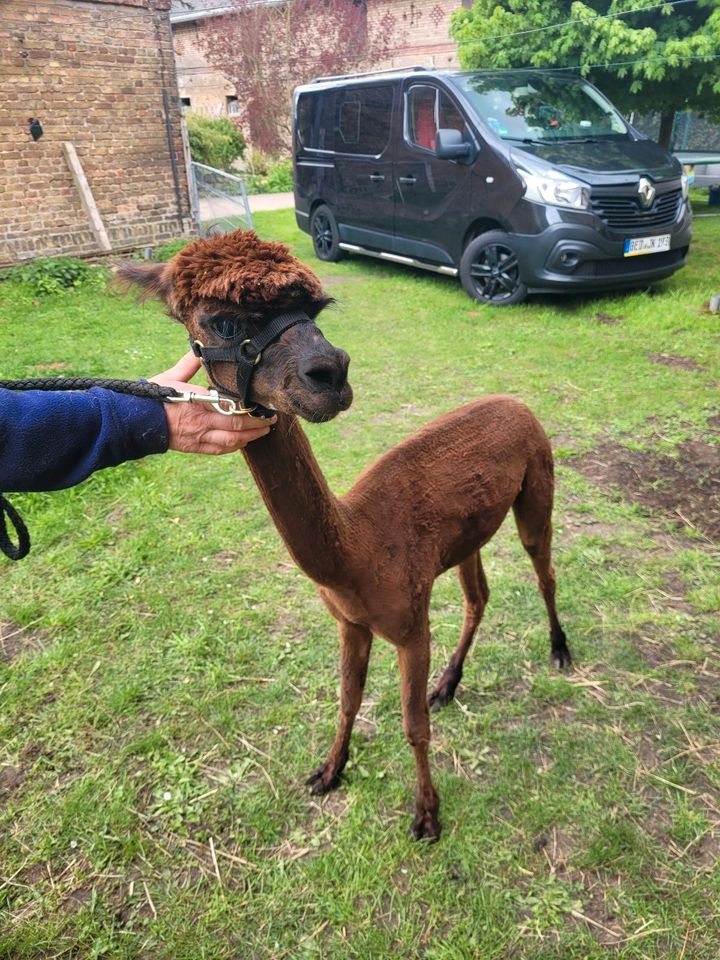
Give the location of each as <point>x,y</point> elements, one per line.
<point>396,258</point>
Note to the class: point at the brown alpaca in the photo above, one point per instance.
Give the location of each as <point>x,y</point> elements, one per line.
<point>427,505</point>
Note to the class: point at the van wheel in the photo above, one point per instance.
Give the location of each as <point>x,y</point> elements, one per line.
<point>490,271</point>
<point>325,235</point>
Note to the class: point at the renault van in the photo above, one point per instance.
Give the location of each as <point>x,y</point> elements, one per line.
<point>516,181</point>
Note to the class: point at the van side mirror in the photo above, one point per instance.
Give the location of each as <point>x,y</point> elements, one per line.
<point>450,145</point>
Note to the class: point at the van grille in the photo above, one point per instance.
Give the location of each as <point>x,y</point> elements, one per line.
<point>624,213</point>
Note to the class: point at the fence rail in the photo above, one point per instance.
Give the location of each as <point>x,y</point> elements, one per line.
<point>220,200</point>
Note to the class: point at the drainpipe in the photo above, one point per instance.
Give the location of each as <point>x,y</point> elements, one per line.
<point>166,114</point>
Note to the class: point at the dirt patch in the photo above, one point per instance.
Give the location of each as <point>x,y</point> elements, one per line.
<point>601,317</point>
<point>654,651</point>
<point>14,639</point>
<point>598,916</point>
<point>77,899</point>
<point>682,363</point>
<point>10,778</point>
<point>556,847</point>
<point>685,490</point>
<point>675,592</point>
<point>707,851</point>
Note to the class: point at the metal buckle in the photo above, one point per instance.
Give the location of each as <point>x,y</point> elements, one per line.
<point>224,405</point>
<point>258,355</point>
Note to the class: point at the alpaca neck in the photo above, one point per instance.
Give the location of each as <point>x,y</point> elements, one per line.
<point>307,515</point>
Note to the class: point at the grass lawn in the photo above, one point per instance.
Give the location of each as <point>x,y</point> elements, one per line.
<point>168,679</point>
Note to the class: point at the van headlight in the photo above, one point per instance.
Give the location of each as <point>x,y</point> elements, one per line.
<point>555,188</point>
<point>685,184</point>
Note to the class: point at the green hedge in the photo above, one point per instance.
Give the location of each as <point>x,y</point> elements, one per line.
<point>278,179</point>
<point>216,142</point>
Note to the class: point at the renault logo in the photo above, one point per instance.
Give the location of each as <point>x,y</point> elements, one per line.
<point>646,191</point>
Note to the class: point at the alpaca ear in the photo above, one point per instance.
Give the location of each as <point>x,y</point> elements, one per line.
<point>154,279</point>
<point>314,308</point>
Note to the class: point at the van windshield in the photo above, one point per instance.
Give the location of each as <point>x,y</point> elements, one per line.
<point>536,107</point>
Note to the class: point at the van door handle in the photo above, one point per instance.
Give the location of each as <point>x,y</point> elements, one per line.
<point>409,180</point>
<point>377,177</point>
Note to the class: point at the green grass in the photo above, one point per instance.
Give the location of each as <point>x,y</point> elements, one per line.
<point>176,679</point>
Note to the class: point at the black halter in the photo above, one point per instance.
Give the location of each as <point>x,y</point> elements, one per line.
<point>246,353</point>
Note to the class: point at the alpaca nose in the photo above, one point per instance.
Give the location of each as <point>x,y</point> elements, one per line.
<point>328,371</point>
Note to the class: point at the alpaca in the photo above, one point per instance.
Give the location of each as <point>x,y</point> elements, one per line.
<point>426,505</point>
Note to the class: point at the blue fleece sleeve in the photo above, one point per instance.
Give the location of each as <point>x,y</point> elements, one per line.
<point>50,440</point>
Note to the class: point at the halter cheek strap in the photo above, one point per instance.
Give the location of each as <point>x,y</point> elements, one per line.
<point>245,352</point>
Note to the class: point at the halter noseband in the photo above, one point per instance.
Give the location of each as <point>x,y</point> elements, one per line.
<point>246,353</point>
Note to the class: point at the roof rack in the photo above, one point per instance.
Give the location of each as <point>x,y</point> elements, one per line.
<point>416,68</point>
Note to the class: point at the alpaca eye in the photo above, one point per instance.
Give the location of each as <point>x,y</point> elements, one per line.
<point>226,327</point>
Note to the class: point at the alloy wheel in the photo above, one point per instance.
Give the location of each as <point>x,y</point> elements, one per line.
<point>495,273</point>
<point>322,235</point>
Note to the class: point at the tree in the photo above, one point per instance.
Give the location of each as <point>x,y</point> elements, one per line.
<point>266,49</point>
<point>658,60</point>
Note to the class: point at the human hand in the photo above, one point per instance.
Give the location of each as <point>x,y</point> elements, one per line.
<point>197,428</point>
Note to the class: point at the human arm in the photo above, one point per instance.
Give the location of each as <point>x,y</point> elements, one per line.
<point>51,440</point>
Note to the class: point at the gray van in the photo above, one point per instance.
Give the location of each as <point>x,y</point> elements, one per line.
<point>518,181</point>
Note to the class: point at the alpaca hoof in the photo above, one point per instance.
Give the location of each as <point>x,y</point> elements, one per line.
<point>561,658</point>
<point>426,826</point>
<point>323,780</point>
<point>440,698</point>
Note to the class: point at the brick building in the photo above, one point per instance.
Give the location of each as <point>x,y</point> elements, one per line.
<point>421,27</point>
<point>99,74</point>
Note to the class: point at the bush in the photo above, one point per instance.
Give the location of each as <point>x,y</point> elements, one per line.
<point>215,142</point>
<point>278,179</point>
<point>168,250</point>
<point>48,275</point>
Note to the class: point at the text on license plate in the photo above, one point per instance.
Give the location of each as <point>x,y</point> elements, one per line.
<point>634,248</point>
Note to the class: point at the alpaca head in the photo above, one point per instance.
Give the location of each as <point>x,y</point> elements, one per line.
<point>228,288</point>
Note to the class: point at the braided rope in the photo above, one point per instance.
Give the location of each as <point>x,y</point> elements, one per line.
<point>135,388</point>
<point>12,551</point>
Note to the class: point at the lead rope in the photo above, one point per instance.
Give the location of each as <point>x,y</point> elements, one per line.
<point>135,388</point>
<point>8,512</point>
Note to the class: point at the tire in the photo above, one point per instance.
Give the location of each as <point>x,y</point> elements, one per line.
<point>325,234</point>
<point>490,270</point>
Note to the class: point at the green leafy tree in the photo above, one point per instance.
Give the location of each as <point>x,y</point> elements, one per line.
<point>216,142</point>
<point>658,60</point>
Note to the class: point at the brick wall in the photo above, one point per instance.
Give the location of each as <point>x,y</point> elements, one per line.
<point>421,34</point>
<point>422,31</point>
<point>93,72</point>
<point>204,86</point>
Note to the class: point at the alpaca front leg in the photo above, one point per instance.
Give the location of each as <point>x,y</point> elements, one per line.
<point>414,662</point>
<point>355,644</point>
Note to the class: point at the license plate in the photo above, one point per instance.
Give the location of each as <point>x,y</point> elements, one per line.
<point>635,248</point>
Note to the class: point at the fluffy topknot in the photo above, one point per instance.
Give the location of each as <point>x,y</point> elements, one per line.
<point>242,268</point>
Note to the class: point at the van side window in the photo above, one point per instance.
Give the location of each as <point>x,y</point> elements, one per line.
<point>349,122</point>
<point>428,109</point>
<point>421,125</point>
<point>363,119</point>
<point>314,120</point>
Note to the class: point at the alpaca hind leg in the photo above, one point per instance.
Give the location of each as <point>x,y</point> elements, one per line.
<point>475,589</point>
<point>355,644</point>
<point>414,663</point>
<point>533,509</point>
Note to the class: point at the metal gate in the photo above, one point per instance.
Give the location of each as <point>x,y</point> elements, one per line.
<point>219,199</point>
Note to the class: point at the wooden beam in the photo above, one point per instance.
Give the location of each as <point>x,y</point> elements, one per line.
<point>86,197</point>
